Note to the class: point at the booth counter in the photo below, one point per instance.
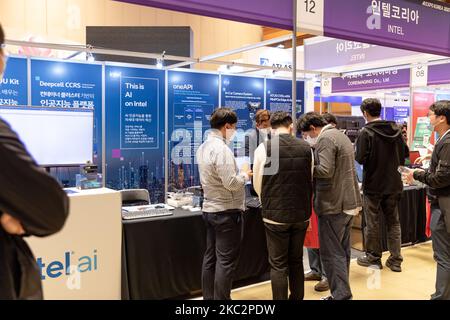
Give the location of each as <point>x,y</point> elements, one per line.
<point>83,260</point>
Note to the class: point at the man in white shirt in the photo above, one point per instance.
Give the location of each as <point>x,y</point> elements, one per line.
<point>223,205</point>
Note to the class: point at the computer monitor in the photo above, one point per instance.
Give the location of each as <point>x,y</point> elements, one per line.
<point>350,122</point>
<point>53,136</point>
<point>350,125</point>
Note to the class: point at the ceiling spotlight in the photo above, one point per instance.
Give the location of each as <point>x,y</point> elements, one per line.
<point>280,46</point>
<point>160,61</point>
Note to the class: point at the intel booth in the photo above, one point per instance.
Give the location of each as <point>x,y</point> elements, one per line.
<point>121,139</point>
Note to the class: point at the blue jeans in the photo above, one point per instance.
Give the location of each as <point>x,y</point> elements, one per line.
<point>335,252</point>
<point>315,263</point>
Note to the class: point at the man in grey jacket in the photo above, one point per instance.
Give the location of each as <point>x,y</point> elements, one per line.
<point>336,200</point>
<point>224,201</point>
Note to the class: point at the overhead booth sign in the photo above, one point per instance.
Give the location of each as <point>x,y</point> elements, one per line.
<point>416,25</point>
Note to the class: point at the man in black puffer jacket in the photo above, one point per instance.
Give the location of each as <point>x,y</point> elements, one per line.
<point>31,203</point>
<point>380,148</point>
<point>283,180</point>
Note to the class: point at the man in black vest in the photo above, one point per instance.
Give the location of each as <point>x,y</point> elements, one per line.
<point>283,181</point>
<point>437,177</point>
<point>336,200</point>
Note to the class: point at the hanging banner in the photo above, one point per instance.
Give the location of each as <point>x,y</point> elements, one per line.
<point>70,85</point>
<point>338,53</point>
<point>14,85</point>
<point>422,26</point>
<point>439,74</point>
<point>135,129</point>
<point>279,96</point>
<point>372,81</point>
<point>192,98</point>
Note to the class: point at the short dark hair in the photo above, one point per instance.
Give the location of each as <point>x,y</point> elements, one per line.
<point>2,35</point>
<point>222,116</point>
<point>260,114</point>
<point>310,119</point>
<point>280,119</point>
<point>330,118</point>
<point>371,106</point>
<point>442,108</point>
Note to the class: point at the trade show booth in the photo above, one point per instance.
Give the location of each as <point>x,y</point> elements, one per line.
<point>141,125</point>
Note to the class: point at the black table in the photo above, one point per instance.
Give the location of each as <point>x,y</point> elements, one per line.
<point>162,257</point>
<point>412,214</point>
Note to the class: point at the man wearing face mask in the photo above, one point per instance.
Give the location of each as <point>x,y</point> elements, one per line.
<point>31,203</point>
<point>336,200</point>
<point>223,205</point>
<point>380,148</point>
<point>317,272</point>
<point>437,177</point>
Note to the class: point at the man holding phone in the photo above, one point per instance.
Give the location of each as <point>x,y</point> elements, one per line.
<point>437,177</point>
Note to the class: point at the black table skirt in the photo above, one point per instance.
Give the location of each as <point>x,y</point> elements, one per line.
<point>162,257</point>
<point>412,213</point>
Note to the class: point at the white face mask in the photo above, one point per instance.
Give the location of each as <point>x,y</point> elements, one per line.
<point>312,141</point>
<point>231,137</point>
<point>264,131</point>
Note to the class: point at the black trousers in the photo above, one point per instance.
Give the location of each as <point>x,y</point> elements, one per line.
<point>441,247</point>
<point>335,252</point>
<point>285,247</point>
<point>374,207</point>
<point>223,242</point>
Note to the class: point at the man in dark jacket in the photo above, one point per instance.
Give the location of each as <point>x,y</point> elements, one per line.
<point>283,180</point>
<point>317,271</point>
<point>380,148</point>
<point>336,200</point>
<point>31,203</point>
<point>437,177</point>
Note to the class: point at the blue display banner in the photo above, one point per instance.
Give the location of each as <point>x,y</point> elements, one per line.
<point>401,114</point>
<point>135,129</point>
<point>388,114</point>
<point>279,96</point>
<point>70,85</point>
<point>192,97</point>
<point>14,85</point>
<point>245,95</point>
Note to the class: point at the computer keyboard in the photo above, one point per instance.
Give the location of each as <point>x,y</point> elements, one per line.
<point>130,213</point>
